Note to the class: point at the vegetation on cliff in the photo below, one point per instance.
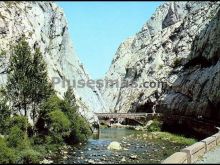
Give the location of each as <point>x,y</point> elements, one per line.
<point>29,96</point>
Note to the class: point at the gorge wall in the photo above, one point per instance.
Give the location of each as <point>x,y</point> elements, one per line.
<point>179,46</point>
<point>44,25</point>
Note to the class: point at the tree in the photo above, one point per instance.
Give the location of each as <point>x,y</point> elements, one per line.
<point>41,88</point>
<point>60,120</point>
<point>69,96</point>
<point>59,124</point>
<point>3,62</point>
<point>27,82</point>
<point>4,111</point>
<point>19,84</point>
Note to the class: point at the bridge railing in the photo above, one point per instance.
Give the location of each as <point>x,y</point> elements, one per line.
<point>118,115</point>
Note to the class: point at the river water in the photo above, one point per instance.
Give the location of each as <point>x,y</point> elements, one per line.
<point>136,149</point>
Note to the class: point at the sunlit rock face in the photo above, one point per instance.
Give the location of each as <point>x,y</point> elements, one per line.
<point>177,51</point>
<point>44,25</point>
<point>179,46</point>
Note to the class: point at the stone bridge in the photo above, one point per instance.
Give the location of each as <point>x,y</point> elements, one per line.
<point>126,115</point>
<point>139,118</point>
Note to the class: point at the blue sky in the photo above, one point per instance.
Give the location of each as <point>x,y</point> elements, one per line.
<point>98,28</point>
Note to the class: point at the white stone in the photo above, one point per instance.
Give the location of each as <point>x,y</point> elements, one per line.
<point>114,146</point>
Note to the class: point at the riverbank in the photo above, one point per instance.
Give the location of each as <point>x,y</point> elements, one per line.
<point>137,147</point>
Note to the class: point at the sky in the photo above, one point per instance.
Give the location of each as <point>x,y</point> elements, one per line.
<point>98,28</point>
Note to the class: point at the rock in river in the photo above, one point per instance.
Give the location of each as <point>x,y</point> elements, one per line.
<point>114,146</point>
<point>123,159</point>
<point>133,156</point>
<point>45,161</point>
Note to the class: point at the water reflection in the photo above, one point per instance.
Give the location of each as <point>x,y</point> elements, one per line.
<point>115,133</point>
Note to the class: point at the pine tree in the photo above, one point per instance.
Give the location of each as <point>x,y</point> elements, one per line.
<point>69,96</point>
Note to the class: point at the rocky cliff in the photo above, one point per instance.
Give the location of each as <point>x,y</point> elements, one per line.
<point>44,25</point>
<point>179,47</point>
<point>171,66</point>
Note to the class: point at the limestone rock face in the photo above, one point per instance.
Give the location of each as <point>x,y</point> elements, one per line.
<point>177,47</point>
<point>44,25</point>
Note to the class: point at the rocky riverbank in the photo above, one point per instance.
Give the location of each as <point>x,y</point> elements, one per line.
<point>135,147</point>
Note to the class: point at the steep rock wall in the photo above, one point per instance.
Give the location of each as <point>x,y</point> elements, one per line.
<point>44,25</point>
<point>178,46</point>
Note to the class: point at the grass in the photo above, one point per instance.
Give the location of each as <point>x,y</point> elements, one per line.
<point>154,132</point>
<point>173,138</point>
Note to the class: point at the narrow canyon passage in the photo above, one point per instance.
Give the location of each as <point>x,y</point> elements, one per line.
<point>49,103</point>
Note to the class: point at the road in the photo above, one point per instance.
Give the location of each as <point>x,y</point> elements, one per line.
<point>211,157</point>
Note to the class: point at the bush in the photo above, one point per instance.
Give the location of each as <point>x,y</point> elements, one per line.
<point>4,112</point>
<point>30,156</point>
<point>160,67</point>
<point>7,155</point>
<point>18,138</point>
<point>80,129</point>
<point>19,121</point>
<point>155,126</point>
<point>60,120</point>
<point>59,125</point>
<point>177,62</point>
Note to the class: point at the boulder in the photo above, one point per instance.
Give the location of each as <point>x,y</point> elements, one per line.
<point>114,146</point>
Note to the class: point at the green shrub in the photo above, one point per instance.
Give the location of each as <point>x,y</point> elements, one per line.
<point>155,126</point>
<point>59,125</point>
<point>18,138</point>
<point>4,114</point>
<point>38,140</point>
<point>177,62</point>
<point>7,155</point>
<point>19,121</point>
<point>29,156</point>
<point>160,66</point>
<point>2,53</point>
<point>60,120</point>
<point>80,130</point>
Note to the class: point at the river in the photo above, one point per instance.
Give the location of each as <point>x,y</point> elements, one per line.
<point>136,149</point>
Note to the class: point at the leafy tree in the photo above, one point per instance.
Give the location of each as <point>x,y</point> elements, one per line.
<point>49,105</point>
<point>27,82</point>
<point>80,129</point>
<point>41,88</point>
<point>58,117</point>
<point>18,84</point>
